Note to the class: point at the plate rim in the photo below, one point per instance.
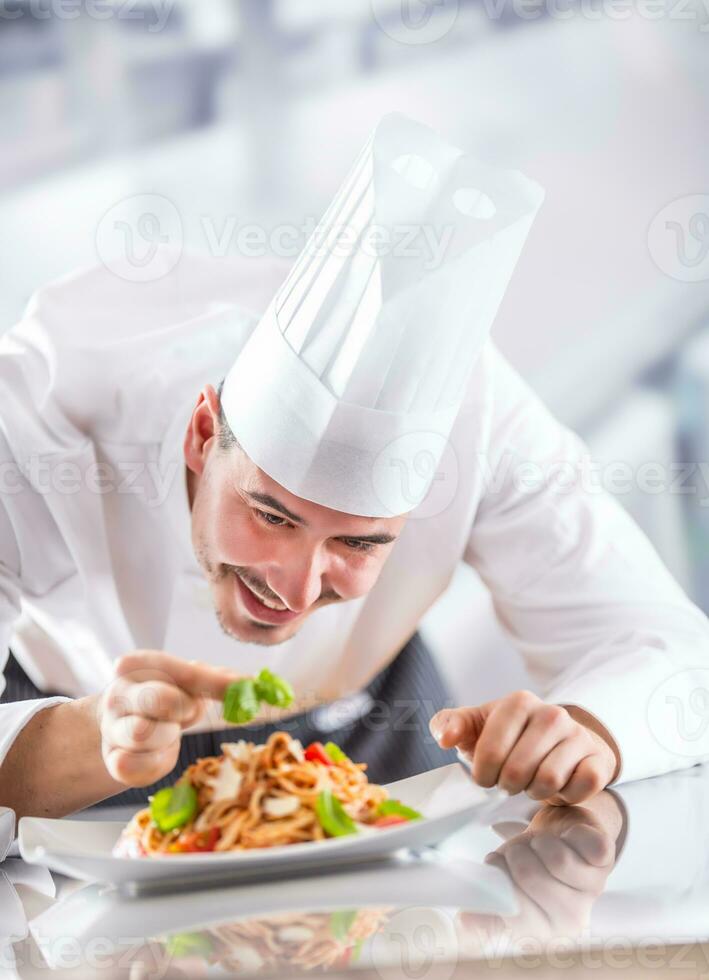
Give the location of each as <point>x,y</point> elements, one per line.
<point>292,855</point>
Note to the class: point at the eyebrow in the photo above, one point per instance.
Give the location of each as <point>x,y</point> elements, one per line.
<point>267,500</point>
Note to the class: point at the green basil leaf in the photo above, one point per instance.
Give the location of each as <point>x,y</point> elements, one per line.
<point>241,703</point>
<point>273,689</point>
<point>183,944</point>
<point>332,816</point>
<point>173,807</point>
<point>341,922</point>
<point>389,807</point>
<point>335,752</point>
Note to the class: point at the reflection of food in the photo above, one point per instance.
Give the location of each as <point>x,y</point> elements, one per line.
<point>257,796</point>
<point>306,940</point>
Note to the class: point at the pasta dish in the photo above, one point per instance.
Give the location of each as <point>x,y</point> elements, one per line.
<point>255,796</point>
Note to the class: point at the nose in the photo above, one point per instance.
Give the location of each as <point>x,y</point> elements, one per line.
<point>297,578</point>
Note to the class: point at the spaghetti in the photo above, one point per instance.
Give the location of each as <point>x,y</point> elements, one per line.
<point>255,796</point>
<point>307,940</point>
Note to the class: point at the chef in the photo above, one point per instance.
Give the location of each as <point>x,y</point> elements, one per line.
<point>224,469</point>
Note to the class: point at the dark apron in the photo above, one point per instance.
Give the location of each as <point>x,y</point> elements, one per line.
<point>387,725</point>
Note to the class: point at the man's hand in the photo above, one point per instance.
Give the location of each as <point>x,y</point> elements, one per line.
<point>71,755</point>
<point>522,744</point>
<point>144,712</point>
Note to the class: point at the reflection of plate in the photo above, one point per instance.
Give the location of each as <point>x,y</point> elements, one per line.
<point>13,923</point>
<point>395,883</point>
<point>304,941</point>
<point>7,831</point>
<point>82,849</point>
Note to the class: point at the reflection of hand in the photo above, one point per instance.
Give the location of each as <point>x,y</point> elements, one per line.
<point>559,865</point>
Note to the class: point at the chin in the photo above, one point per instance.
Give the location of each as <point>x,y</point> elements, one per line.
<point>242,627</point>
<point>266,634</point>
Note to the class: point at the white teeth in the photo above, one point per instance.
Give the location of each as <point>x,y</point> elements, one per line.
<point>270,605</point>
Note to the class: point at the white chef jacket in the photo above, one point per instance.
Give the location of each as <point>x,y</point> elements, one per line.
<point>97,383</point>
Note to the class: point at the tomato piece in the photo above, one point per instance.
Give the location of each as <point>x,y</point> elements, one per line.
<point>197,842</point>
<point>391,820</point>
<point>315,752</point>
<point>345,957</point>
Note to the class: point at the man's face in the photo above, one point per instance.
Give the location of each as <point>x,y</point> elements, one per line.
<point>271,558</point>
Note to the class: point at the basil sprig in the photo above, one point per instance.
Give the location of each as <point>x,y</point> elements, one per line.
<point>242,700</point>
<point>273,689</point>
<point>335,752</point>
<point>332,816</point>
<point>341,921</point>
<point>182,944</point>
<point>173,806</point>
<point>394,808</point>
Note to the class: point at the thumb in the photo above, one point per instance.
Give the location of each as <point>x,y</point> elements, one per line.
<point>459,727</point>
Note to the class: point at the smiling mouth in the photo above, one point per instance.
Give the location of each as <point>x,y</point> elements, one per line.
<point>262,609</point>
<point>267,602</point>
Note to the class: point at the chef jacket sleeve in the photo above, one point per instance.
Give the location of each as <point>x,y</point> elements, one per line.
<point>13,716</point>
<point>582,593</point>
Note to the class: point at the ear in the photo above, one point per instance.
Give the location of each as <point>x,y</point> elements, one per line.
<point>202,430</point>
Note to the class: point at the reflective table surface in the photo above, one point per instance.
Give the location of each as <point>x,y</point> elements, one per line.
<point>621,883</point>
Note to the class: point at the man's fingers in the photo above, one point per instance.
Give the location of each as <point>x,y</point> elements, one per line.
<point>152,699</point>
<point>197,679</point>
<point>500,734</point>
<point>136,734</point>
<point>457,727</point>
<point>557,767</point>
<point>548,726</point>
<point>588,779</point>
<point>461,727</point>
<point>140,768</point>
<point>486,733</point>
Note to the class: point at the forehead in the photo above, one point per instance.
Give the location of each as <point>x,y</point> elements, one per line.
<point>250,480</point>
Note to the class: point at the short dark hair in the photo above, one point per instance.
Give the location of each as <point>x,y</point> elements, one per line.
<point>227,439</point>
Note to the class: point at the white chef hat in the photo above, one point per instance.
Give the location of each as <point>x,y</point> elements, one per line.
<point>354,375</point>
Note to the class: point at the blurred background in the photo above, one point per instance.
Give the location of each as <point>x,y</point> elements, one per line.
<point>239,114</point>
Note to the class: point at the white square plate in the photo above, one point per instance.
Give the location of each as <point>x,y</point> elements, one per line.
<point>447,797</point>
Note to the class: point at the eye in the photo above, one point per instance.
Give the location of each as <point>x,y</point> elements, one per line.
<point>273,519</point>
<point>356,545</point>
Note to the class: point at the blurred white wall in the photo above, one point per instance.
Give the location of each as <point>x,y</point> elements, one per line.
<point>246,113</point>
